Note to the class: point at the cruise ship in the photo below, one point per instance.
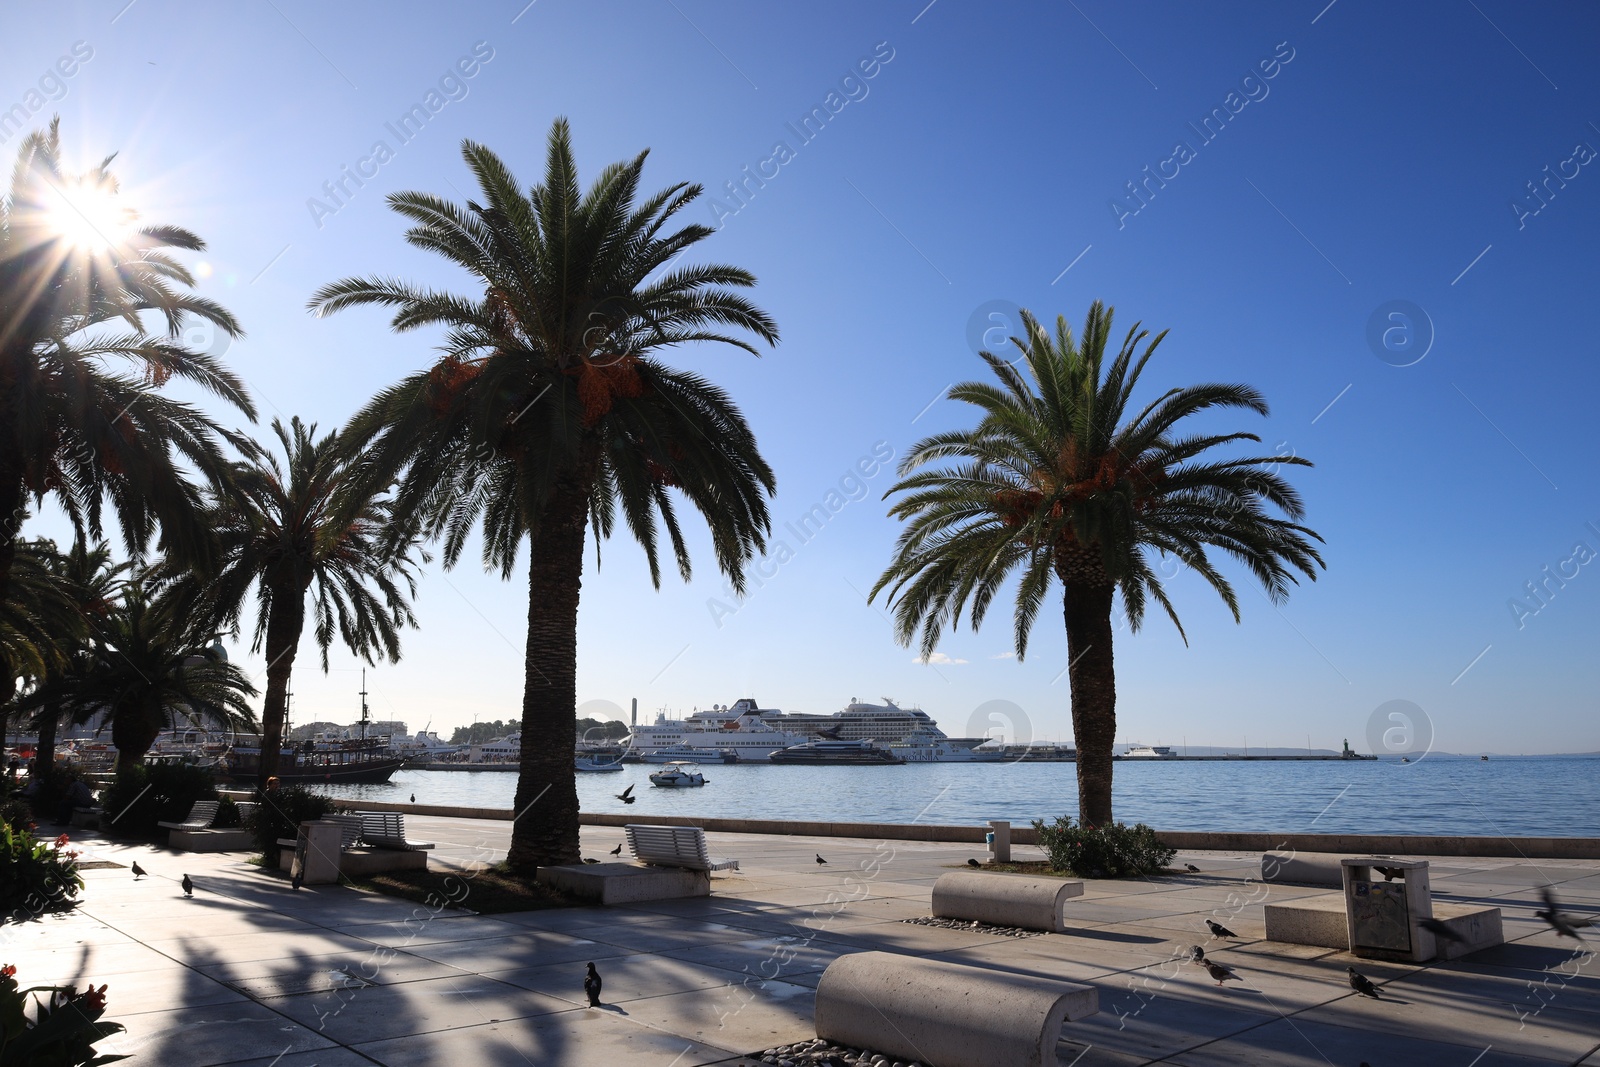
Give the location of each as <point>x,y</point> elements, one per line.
<point>754,732</point>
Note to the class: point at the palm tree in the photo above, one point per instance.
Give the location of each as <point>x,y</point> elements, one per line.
<point>150,668</point>
<point>279,531</point>
<point>76,277</point>
<point>1054,483</point>
<point>90,583</point>
<point>39,627</point>
<point>548,413</point>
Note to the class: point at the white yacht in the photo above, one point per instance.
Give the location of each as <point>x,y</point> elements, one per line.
<point>1148,752</point>
<point>754,732</point>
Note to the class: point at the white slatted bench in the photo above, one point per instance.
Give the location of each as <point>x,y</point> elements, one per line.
<point>360,855</point>
<point>199,817</point>
<point>674,846</point>
<point>387,829</point>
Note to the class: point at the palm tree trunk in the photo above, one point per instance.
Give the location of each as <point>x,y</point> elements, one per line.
<point>133,732</point>
<point>1092,674</point>
<point>44,752</point>
<point>545,829</point>
<point>283,643</point>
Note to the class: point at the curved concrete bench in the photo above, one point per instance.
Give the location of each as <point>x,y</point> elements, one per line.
<point>946,1013</point>
<point>1005,899</point>
<point>1303,868</point>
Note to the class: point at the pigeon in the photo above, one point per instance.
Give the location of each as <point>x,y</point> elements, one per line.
<point>973,863</point>
<point>1196,953</point>
<point>1191,868</point>
<point>586,859</point>
<point>1441,931</point>
<point>820,860</point>
<point>138,871</point>
<point>626,796</point>
<point>1564,925</point>
<point>1218,971</point>
<point>295,881</point>
<point>1218,930</point>
<point>1390,873</point>
<point>591,986</point>
<point>1362,984</point>
<point>413,798</point>
<point>618,850</point>
<point>188,886</point>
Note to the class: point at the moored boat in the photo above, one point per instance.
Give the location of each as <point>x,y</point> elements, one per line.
<point>677,775</point>
<point>833,752</point>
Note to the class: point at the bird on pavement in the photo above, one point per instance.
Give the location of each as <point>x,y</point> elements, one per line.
<point>820,860</point>
<point>1441,931</point>
<point>1218,930</point>
<point>296,880</point>
<point>591,986</point>
<point>1390,873</point>
<point>626,796</point>
<point>1218,971</point>
<point>1191,868</point>
<point>1362,984</point>
<point>1196,953</point>
<point>1564,925</point>
<point>188,886</point>
<point>618,850</point>
<point>138,871</point>
<point>973,863</point>
<point>586,859</point>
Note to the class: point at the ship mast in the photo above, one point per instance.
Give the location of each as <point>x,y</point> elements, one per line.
<point>363,705</point>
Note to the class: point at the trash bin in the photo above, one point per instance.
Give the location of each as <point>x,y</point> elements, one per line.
<point>1383,914</point>
<point>316,853</point>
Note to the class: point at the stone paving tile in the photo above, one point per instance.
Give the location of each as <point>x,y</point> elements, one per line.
<point>433,930</point>
<point>769,957</point>
<point>1299,1042</point>
<point>625,978</point>
<point>381,967</point>
<point>245,947</point>
<point>219,1033</point>
<point>376,1013</point>
<point>525,948</point>
<point>581,1038</point>
<point>329,1057</point>
<point>744,1016</point>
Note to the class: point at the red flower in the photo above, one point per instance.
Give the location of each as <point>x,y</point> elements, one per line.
<point>94,998</point>
<point>8,970</point>
<point>62,840</point>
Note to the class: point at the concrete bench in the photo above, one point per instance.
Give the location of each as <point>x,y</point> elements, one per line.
<point>1302,868</point>
<point>946,1013</point>
<point>387,829</point>
<point>1030,902</point>
<point>674,846</point>
<point>624,883</point>
<point>86,818</point>
<point>200,817</point>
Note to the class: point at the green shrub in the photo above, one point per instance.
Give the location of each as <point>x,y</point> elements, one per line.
<point>227,815</point>
<point>35,876</point>
<point>14,809</point>
<point>1115,851</point>
<point>157,792</point>
<point>63,1029</point>
<point>280,814</point>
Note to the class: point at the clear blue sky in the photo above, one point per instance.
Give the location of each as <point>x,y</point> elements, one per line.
<point>1380,162</point>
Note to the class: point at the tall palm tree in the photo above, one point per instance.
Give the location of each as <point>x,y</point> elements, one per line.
<point>291,530</point>
<point>150,669</point>
<point>76,279</point>
<point>1055,482</point>
<point>549,413</point>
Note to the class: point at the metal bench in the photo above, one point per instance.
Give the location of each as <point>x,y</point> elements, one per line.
<point>674,846</point>
<point>387,829</point>
<point>200,817</point>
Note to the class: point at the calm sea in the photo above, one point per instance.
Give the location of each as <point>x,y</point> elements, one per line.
<point>1512,797</point>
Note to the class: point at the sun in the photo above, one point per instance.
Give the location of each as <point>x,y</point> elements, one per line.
<point>88,216</point>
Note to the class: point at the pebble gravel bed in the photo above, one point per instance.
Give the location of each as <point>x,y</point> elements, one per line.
<point>819,1053</point>
<point>973,926</point>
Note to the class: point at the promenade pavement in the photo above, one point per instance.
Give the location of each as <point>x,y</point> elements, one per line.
<point>248,972</point>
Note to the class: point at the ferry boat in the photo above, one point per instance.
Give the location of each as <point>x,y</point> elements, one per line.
<point>834,752</point>
<point>1148,752</point>
<point>754,733</point>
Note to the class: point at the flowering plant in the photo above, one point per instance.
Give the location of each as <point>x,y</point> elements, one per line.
<point>35,876</point>
<point>63,1029</point>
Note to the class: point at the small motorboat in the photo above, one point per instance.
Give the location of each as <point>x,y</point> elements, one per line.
<point>678,774</point>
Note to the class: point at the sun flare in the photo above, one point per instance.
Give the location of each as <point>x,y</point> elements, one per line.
<point>89,217</point>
